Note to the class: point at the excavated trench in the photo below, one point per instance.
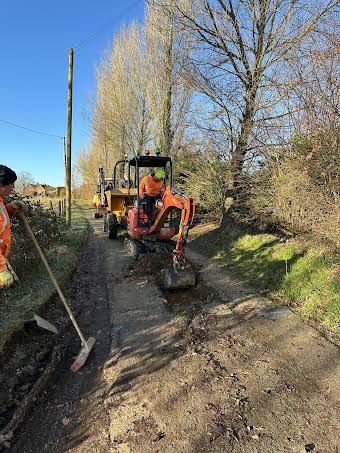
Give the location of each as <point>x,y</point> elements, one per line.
<point>150,268</point>
<point>30,360</point>
<point>27,363</point>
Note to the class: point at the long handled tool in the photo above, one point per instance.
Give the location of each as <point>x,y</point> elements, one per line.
<point>86,345</point>
<point>12,271</point>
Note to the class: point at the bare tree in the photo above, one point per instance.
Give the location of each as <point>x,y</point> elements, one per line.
<point>240,48</point>
<point>120,120</point>
<point>121,117</point>
<point>169,95</point>
<point>300,190</point>
<point>25,178</point>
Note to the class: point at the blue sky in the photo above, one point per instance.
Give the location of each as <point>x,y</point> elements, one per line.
<point>34,40</point>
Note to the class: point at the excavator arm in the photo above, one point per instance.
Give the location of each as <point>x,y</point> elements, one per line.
<point>181,274</point>
<point>101,185</point>
<point>174,198</point>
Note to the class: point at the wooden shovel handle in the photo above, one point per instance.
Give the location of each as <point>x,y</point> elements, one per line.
<point>52,277</point>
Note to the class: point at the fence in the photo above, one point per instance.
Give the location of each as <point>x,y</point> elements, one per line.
<point>58,206</point>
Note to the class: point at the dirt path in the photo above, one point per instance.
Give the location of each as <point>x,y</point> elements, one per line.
<point>208,369</point>
<point>71,416</point>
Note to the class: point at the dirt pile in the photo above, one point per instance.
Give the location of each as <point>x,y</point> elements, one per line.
<point>151,267</point>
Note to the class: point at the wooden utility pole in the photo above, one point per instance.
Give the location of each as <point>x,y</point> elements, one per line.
<point>68,165</point>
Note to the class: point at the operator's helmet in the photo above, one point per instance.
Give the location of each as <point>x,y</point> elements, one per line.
<point>160,173</point>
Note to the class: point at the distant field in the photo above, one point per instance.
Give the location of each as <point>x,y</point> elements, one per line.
<point>47,202</point>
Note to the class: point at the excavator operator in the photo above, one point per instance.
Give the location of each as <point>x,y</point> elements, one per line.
<point>151,189</point>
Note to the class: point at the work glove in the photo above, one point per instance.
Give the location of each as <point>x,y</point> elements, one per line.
<point>6,279</point>
<point>19,206</point>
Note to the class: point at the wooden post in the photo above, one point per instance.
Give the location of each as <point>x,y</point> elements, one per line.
<point>65,160</point>
<point>59,208</point>
<point>69,138</point>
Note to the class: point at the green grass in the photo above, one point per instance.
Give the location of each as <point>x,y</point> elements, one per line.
<point>305,275</point>
<point>35,289</point>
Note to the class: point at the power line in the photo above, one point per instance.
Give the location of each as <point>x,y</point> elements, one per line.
<point>80,45</point>
<point>31,130</point>
<point>107,25</point>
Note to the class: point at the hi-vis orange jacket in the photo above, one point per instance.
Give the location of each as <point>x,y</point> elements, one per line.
<point>5,233</point>
<point>151,187</point>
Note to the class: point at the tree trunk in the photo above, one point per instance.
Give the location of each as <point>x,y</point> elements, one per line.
<point>166,129</point>
<point>239,155</point>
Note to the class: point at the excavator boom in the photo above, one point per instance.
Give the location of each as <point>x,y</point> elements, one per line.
<point>180,274</point>
<point>174,198</point>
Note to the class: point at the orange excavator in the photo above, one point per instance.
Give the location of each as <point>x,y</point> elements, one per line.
<point>173,215</point>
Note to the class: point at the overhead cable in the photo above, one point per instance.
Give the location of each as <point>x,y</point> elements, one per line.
<point>31,130</point>
<point>107,25</point>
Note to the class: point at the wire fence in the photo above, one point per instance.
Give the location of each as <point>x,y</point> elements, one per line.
<point>56,205</point>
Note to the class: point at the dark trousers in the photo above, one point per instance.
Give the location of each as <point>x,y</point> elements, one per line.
<point>150,205</point>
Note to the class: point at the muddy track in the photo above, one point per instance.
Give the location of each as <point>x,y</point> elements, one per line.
<point>187,371</point>
<point>53,392</point>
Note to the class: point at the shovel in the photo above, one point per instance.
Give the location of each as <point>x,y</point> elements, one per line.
<point>41,322</point>
<point>86,345</point>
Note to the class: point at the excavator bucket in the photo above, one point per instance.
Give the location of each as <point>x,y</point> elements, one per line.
<point>176,278</point>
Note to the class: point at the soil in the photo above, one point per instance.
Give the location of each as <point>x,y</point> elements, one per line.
<point>216,368</point>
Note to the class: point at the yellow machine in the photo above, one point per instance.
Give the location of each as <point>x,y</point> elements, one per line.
<point>113,201</point>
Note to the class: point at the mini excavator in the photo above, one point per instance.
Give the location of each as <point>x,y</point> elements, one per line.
<point>173,215</point>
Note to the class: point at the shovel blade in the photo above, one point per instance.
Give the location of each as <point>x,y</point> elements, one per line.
<point>45,324</point>
<point>83,355</point>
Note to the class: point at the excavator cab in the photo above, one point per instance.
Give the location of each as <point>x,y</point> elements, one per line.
<point>140,166</point>
<point>173,216</point>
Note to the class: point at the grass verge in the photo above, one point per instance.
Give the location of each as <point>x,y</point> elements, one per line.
<point>18,304</point>
<point>304,274</point>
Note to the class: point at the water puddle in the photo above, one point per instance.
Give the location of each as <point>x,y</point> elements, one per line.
<point>276,312</point>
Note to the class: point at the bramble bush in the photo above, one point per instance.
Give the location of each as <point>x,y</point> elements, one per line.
<point>48,228</point>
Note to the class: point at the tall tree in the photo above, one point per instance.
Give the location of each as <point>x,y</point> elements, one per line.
<point>121,118</point>
<point>240,47</point>
<point>169,96</point>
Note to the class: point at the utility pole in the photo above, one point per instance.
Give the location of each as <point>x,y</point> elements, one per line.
<point>64,143</point>
<point>65,183</point>
<point>68,164</point>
